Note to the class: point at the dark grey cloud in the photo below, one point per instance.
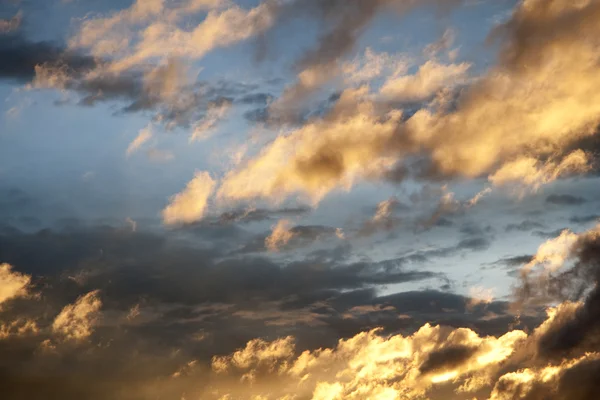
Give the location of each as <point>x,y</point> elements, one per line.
<point>475,229</point>
<point>548,234</point>
<point>569,333</point>
<point>565,200</point>
<point>514,261</point>
<point>473,244</point>
<point>259,215</point>
<point>524,226</point>
<point>19,57</point>
<point>193,304</point>
<point>447,357</point>
<point>584,219</point>
<point>192,103</point>
<point>130,265</point>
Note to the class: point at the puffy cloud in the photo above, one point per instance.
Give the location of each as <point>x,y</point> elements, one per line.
<point>109,34</point>
<point>76,321</point>
<point>320,156</point>
<point>425,83</point>
<point>513,124</point>
<point>223,298</point>
<point>370,365</point>
<point>553,253</point>
<point>256,354</point>
<point>480,295</point>
<point>532,174</point>
<point>190,205</point>
<point>371,65</point>
<point>535,99</point>
<point>161,37</point>
<point>343,22</point>
<point>567,380</point>
<point>12,283</point>
<point>19,327</point>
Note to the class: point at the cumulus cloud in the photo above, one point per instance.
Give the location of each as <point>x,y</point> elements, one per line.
<point>12,283</point>
<point>342,24</point>
<point>513,124</point>
<point>211,310</point>
<point>76,321</point>
<point>371,65</point>
<point>18,328</point>
<point>318,157</point>
<point>190,205</point>
<point>160,35</point>
<point>531,174</point>
<point>425,83</point>
<point>370,365</point>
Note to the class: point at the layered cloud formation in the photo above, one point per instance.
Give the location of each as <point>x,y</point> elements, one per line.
<point>557,359</point>
<point>300,200</point>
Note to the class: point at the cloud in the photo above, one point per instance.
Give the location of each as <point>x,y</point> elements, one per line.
<point>430,78</point>
<point>225,24</point>
<point>10,24</point>
<point>384,218</point>
<point>159,155</point>
<point>280,236</point>
<point>76,321</point>
<point>318,157</point>
<point>568,380</point>
<point>565,199</point>
<point>190,205</point>
<point>18,328</point>
<point>371,65</point>
<point>341,23</point>
<point>531,174</point>
<point>269,329</point>
<point>553,253</point>
<point>143,136</point>
<point>524,226</point>
<point>253,214</point>
<point>443,43</point>
<point>514,125</point>
<point>515,261</point>
<point>20,57</point>
<point>586,219</point>
<point>12,283</point>
<point>214,114</point>
<point>370,365</point>
<point>168,88</point>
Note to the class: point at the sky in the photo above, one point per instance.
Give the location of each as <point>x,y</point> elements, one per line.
<point>299,199</point>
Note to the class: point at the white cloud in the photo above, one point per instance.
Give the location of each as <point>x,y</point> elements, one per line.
<point>12,284</point>
<point>190,205</point>
<point>76,321</point>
